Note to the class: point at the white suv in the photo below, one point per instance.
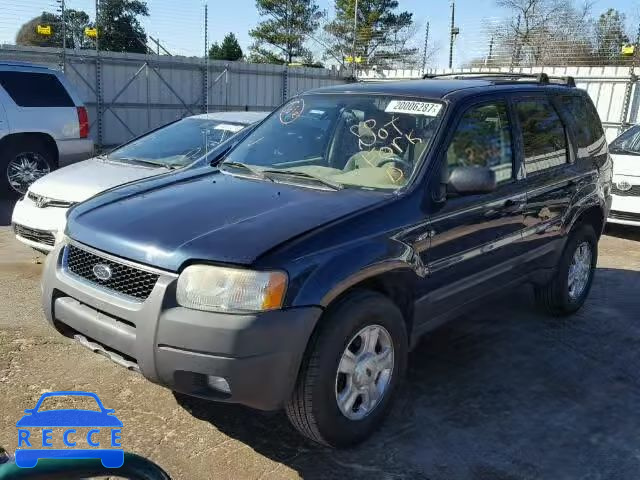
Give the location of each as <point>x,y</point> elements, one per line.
<point>625,151</point>
<point>43,125</point>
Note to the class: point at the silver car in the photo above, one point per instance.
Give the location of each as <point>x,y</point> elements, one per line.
<point>43,125</point>
<point>41,214</point>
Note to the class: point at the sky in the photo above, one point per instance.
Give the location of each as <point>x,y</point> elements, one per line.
<point>179,24</point>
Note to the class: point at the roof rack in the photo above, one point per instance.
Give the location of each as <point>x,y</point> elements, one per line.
<point>540,78</point>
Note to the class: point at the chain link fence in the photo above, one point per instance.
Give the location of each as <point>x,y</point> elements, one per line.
<point>163,75</point>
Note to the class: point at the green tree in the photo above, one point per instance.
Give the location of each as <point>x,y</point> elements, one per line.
<point>119,29</point>
<point>610,35</point>
<point>28,36</point>
<point>280,37</point>
<point>75,23</point>
<point>229,49</point>
<point>381,34</point>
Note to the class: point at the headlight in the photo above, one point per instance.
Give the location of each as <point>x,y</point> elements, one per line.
<point>207,287</point>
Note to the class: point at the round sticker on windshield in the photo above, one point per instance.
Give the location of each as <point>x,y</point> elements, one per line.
<point>291,111</point>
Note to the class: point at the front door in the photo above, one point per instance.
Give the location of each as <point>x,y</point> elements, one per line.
<point>473,236</point>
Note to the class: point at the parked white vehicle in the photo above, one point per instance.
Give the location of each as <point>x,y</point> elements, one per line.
<point>41,214</point>
<point>43,125</point>
<point>625,151</point>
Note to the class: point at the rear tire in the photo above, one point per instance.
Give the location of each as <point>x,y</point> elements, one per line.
<point>15,157</point>
<point>570,285</point>
<point>361,320</point>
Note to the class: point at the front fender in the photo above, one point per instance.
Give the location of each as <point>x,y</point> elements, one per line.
<point>326,275</point>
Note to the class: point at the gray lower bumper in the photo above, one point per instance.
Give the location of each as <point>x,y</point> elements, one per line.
<point>259,354</point>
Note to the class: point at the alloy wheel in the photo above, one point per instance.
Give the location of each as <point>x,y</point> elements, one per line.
<point>25,169</point>
<point>364,372</point>
<point>580,270</point>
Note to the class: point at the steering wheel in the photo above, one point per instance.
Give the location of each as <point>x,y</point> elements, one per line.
<point>402,162</point>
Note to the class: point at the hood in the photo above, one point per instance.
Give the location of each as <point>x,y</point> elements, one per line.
<point>82,180</point>
<point>626,165</point>
<point>213,217</point>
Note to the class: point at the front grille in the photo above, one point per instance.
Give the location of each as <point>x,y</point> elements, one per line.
<point>632,217</point>
<point>39,236</point>
<point>634,191</point>
<point>124,279</point>
<point>43,202</point>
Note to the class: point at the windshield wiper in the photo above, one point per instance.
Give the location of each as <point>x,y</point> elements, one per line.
<point>140,162</point>
<point>256,172</point>
<point>323,181</point>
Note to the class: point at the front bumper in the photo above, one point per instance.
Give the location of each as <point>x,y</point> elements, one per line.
<point>43,221</point>
<point>625,210</point>
<point>257,354</point>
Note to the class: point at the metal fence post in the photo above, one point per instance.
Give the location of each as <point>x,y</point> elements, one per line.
<point>285,83</point>
<point>205,76</point>
<point>64,35</point>
<point>99,110</point>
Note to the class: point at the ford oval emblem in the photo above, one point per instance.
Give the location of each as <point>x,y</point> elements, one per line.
<point>102,272</point>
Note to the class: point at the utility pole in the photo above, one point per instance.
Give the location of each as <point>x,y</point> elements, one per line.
<point>426,44</point>
<point>355,32</point>
<point>515,53</point>
<point>454,32</point>
<point>488,59</point>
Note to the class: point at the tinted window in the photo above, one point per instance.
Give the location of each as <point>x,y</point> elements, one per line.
<point>35,89</point>
<point>483,138</point>
<point>588,127</point>
<point>544,137</point>
<point>179,143</point>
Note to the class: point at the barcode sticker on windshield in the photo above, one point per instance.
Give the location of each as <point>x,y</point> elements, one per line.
<point>428,109</point>
<point>228,127</point>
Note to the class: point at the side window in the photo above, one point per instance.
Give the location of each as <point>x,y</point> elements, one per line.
<point>544,136</point>
<point>29,89</point>
<point>587,121</point>
<point>483,138</point>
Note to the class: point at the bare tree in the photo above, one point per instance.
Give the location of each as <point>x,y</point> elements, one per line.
<point>545,32</point>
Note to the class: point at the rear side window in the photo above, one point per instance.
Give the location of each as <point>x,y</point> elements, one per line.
<point>544,136</point>
<point>29,89</point>
<point>588,127</point>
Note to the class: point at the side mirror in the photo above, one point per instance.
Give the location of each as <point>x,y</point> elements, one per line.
<point>471,180</point>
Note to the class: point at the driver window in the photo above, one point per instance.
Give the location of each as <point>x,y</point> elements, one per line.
<point>483,138</point>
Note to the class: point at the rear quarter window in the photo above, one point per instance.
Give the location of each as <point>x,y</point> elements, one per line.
<point>585,118</point>
<point>29,89</point>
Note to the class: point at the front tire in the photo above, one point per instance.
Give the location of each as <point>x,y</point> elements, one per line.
<point>570,285</point>
<point>350,371</point>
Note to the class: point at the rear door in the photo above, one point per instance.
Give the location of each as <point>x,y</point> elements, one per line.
<point>552,175</point>
<point>474,237</point>
<point>42,103</point>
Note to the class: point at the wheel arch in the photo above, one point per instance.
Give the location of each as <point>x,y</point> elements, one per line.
<point>394,280</point>
<point>26,137</point>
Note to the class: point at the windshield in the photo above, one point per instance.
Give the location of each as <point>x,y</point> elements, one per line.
<point>340,140</point>
<point>628,143</point>
<point>177,144</point>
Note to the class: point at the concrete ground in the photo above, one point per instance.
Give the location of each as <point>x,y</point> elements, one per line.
<point>503,393</point>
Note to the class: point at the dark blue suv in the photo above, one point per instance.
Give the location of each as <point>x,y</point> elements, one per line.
<point>302,266</point>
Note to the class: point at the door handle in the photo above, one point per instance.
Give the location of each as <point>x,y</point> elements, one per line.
<point>514,205</point>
